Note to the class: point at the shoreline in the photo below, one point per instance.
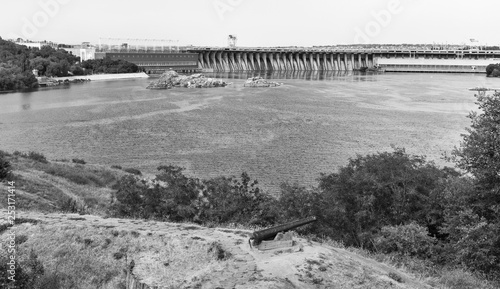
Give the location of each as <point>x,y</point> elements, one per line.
<point>101,77</point>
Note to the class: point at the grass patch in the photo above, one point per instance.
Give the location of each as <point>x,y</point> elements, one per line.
<point>67,187</point>
<point>78,175</point>
<point>431,274</point>
<point>91,257</point>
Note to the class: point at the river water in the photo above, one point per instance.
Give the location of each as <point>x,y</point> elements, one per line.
<point>312,124</point>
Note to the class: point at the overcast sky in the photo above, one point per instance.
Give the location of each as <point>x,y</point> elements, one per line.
<point>255,22</point>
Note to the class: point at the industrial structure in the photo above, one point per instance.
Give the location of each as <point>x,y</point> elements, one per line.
<point>341,59</point>
<point>152,55</point>
<point>158,55</point>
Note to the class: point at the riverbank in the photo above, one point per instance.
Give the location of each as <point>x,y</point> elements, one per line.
<point>98,77</point>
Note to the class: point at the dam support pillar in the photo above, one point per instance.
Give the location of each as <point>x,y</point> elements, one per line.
<point>244,63</point>
<point>252,63</point>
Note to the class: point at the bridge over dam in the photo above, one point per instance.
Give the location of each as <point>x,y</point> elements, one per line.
<point>229,59</point>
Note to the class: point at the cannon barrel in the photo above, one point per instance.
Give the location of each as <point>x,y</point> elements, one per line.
<point>268,233</point>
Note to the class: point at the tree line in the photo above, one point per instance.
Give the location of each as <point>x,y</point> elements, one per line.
<point>18,61</point>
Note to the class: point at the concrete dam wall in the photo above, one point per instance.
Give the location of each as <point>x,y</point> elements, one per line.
<point>312,59</point>
<point>282,61</point>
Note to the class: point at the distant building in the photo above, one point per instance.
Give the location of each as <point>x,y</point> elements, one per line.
<point>30,44</point>
<point>156,61</point>
<point>85,51</point>
<point>33,44</point>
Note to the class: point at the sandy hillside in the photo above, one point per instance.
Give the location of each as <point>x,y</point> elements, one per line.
<point>182,261</point>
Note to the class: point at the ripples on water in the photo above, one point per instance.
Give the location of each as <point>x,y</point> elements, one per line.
<point>312,124</point>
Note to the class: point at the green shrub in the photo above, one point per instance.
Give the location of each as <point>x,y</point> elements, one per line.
<point>78,161</point>
<point>32,155</point>
<point>27,273</point>
<point>5,168</point>
<point>474,242</point>
<point>377,190</point>
<point>409,240</point>
<point>69,206</point>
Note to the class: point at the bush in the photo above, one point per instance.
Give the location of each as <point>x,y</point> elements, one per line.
<point>78,161</point>
<point>377,190</point>
<point>408,240</point>
<point>5,168</point>
<point>116,167</point>
<point>27,273</point>
<point>490,69</point>
<point>474,242</point>
<point>133,171</point>
<point>177,197</point>
<point>37,157</point>
<point>32,155</point>
<point>77,70</point>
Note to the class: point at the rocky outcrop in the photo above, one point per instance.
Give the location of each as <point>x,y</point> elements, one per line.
<point>260,82</point>
<point>171,79</point>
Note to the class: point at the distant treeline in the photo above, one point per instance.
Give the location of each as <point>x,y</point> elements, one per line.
<point>18,61</point>
<point>108,65</point>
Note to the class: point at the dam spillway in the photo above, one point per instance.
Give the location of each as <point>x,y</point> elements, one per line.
<point>269,60</point>
<point>289,59</point>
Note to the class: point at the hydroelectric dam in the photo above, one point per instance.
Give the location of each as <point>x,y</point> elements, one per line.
<point>289,59</point>
<point>230,59</point>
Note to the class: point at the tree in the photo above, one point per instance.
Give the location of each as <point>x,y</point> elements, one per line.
<point>77,70</point>
<point>40,63</point>
<point>479,152</point>
<point>179,194</point>
<point>474,225</point>
<point>493,69</point>
<point>378,190</point>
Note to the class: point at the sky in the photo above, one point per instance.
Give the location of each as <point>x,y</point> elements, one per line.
<point>263,23</point>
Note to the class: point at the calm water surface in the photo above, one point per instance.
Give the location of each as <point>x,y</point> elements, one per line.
<point>311,124</point>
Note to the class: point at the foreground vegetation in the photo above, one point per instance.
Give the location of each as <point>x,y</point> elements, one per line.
<point>436,221</point>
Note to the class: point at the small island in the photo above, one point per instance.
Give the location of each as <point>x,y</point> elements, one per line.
<point>172,79</point>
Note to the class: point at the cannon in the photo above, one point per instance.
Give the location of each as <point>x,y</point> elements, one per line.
<point>270,233</point>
